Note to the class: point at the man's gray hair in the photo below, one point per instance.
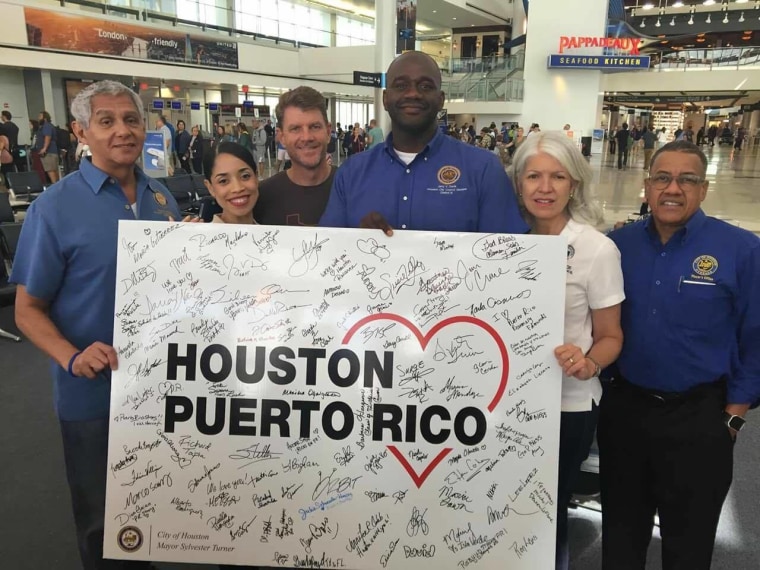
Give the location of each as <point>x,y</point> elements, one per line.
<point>81,106</point>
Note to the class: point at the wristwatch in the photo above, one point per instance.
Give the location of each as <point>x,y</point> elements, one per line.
<point>736,423</point>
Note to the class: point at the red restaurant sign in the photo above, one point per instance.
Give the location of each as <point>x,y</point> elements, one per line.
<point>630,45</point>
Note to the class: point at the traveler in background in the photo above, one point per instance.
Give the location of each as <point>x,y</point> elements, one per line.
<point>649,138</point>
<point>218,136</point>
<point>244,139</point>
<point>195,151</point>
<point>282,154</point>
<point>712,132</point>
<point>231,179</point>
<point>486,140</point>
<point>260,138</point>
<point>65,271</point>
<point>634,143</point>
<point>688,133</point>
<point>162,126</point>
<point>701,136</point>
<point>182,144</point>
<point>739,138</point>
<point>10,130</point>
<point>622,137</point>
<point>374,135</point>
<point>552,180</point>
<point>613,140</point>
<point>515,143</point>
<point>389,186</point>
<point>6,157</point>
<point>662,137</point>
<point>357,141</point>
<point>269,130</point>
<point>46,147</point>
<point>298,196</point>
<point>688,371</point>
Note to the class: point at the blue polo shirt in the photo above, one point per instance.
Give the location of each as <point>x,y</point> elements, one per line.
<point>692,310</point>
<point>67,256</point>
<point>449,186</point>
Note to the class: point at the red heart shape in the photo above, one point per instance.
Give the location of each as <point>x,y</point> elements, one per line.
<point>419,478</point>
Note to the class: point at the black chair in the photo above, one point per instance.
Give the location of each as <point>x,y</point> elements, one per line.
<point>207,207</point>
<point>9,235</point>
<point>181,187</point>
<point>199,186</point>
<point>20,183</point>
<point>6,210</point>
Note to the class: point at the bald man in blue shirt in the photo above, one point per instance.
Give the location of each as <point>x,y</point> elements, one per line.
<point>687,374</point>
<point>419,178</point>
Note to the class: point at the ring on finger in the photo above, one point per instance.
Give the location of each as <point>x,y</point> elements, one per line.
<point>571,360</point>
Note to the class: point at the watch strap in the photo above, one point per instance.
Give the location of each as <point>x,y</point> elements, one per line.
<point>735,422</point>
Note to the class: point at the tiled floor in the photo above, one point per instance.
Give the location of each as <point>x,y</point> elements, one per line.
<point>733,194</point>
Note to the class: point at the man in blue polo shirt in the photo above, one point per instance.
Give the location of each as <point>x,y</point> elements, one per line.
<point>65,268</point>
<point>419,178</point>
<point>688,371</point>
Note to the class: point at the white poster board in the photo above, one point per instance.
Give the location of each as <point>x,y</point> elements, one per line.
<point>314,398</point>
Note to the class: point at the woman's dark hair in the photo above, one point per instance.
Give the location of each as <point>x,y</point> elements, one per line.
<point>236,150</point>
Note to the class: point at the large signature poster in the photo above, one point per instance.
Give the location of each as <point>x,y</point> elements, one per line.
<point>327,398</point>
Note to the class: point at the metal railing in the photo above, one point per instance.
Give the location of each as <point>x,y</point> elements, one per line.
<point>490,64</point>
<point>708,59</point>
<point>483,89</point>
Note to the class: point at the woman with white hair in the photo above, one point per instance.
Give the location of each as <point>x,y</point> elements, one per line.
<point>551,178</point>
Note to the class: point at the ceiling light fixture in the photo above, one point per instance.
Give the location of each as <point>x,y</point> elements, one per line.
<point>725,18</point>
<point>708,2</point>
<point>673,21</point>
<point>643,23</point>
<point>741,18</point>
<point>657,23</point>
<point>678,4</point>
<point>709,20</point>
<point>691,20</point>
<point>648,6</point>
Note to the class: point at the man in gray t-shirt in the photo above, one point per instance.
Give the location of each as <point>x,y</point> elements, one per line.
<point>650,138</point>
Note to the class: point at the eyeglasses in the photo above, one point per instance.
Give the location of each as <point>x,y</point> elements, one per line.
<point>685,182</point>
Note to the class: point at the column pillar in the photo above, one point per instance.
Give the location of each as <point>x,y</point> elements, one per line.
<point>47,96</point>
<point>553,97</point>
<point>385,51</point>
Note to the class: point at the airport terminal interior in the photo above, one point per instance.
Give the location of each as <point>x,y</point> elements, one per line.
<point>216,63</point>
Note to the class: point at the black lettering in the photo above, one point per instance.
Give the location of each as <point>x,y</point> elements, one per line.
<point>219,413</point>
<point>311,355</point>
<point>268,418</point>
<point>425,420</point>
<point>237,416</point>
<point>241,368</point>
<point>174,360</point>
<point>308,407</point>
<point>277,358</point>
<point>328,425</point>
<point>334,373</point>
<point>480,426</point>
<point>206,356</point>
<point>380,422</point>
<point>173,413</point>
<point>383,372</point>
<point>411,421</point>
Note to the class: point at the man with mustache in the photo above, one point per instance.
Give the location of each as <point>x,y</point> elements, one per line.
<point>297,196</point>
<point>687,374</point>
<point>419,178</point>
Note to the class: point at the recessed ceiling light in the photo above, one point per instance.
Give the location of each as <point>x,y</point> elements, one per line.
<point>435,11</point>
<point>678,4</point>
<point>708,2</point>
<point>454,18</point>
<point>648,5</point>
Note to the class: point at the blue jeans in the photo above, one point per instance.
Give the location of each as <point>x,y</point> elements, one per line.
<point>85,450</point>
<point>576,433</point>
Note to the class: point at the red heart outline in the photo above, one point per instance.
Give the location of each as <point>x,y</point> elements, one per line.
<point>419,479</point>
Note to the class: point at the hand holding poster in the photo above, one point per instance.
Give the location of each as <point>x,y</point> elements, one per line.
<point>317,398</point>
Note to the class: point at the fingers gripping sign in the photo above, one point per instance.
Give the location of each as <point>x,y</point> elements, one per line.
<point>376,221</point>
<point>573,362</point>
<point>93,360</point>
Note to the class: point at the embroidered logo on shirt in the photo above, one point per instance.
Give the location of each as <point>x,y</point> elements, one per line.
<point>570,251</point>
<point>449,175</point>
<point>159,198</point>
<point>130,539</point>
<point>705,265</point>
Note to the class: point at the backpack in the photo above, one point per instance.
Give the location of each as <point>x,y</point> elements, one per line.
<point>62,140</point>
<point>492,143</point>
